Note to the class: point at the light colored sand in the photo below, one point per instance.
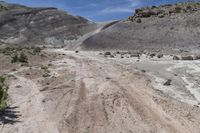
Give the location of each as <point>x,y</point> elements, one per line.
<point>93,94</point>
<point>28,102</point>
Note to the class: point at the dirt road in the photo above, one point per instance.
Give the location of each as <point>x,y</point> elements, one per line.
<point>92,94</point>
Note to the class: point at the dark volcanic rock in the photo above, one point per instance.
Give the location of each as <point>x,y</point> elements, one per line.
<point>197,57</point>
<point>40,26</point>
<point>168,82</point>
<point>176,58</point>
<point>187,58</point>
<point>159,55</point>
<point>107,53</point>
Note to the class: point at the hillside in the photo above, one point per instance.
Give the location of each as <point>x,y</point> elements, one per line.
<point>40,26</point>
<point>171,27</point>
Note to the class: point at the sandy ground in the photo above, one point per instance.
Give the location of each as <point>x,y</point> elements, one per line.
<point>88,93</point>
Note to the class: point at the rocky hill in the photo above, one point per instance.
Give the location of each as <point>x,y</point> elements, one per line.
<point>40,26</point>
<point>171,27</point>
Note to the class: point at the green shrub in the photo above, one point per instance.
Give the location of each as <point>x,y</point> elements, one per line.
<point>15,58</point>
<point>23,58</point>
<point>37,50</point>
<point>44,67</point>
<point>46,71</point>
<point>34,50</point>
<point>3,93</point>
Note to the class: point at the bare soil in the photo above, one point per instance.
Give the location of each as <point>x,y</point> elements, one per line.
<point>88,93</point>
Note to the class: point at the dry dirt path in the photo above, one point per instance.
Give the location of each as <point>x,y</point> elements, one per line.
<point>109,98</point>
<point>26,108</point>
<point>92,94</point>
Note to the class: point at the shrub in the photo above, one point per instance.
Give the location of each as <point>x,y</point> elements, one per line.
<point>3,93</point>
<point>44,67</point>
<point>15,58</point>
<point>34,50</point>
<point>46,71</point>
<point>37,50</point>
<point>23,58</point>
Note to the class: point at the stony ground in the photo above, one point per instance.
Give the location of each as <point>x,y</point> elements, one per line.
<point>86,92</point>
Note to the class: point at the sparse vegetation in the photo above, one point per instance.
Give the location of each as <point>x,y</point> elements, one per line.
<point>46,71</point>
<point>3,93</point>
<point>34,50</point>
<point>44,67</point>
<point>22,58</point>
<point>14,58</point>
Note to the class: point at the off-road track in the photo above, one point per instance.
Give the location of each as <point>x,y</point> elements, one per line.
<point>93,94</point>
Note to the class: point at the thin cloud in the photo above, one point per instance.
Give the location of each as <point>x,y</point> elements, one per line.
<point>128,7</point>
<point>116,10</point>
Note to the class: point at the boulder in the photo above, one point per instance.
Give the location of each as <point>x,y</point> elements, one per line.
<point>197,57</point>
<point>187,58</point>
<point>168,82</point>
<point>152,55</point>
<point>138,20</point>
<point>107,53</point>
<point>112,56</point>
<point>176,58</point>
<point>160,55</point>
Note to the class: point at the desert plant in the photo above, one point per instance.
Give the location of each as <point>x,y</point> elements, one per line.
<point>37,49</point>
<point>23,58</point>
<point>3,93</point>
<point>34,50</point>
<point>44,67</point>
<point>14,58</point>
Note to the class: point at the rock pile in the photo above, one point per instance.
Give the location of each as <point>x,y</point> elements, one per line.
<point>164,10</point>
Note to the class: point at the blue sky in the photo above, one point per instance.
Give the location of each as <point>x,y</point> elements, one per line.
<point>96,10</point>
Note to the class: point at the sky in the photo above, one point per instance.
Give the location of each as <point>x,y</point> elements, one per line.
<point>96,10</point>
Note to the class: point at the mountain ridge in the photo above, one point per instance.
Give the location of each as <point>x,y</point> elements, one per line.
<point>21,25</point>
<point>171,27</point>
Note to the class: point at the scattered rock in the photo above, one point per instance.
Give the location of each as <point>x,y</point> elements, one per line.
<point>107,53</point>
<point>18,86</point>
<point>176,58</point>
<point>168,82</point>
<point>152,55</point>
<point>46,75</point>
<point>76,51</point>
<point>108,78</point>
<point>197,57</point>
<point>143,71</point>
<point>187,58</point>
<point>161,15</point>
<point>27,73</point>
<point>138,20</point>
<point>135,55</point>
<point>112,56</point>
<point>160,55</point>
<point>117,52</point>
